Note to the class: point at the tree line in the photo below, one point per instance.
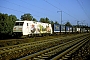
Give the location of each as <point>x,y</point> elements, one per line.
<point>7,23</point>
<point>29,17</point>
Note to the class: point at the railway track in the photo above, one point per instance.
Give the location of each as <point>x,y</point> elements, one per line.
<point>40,47</point>
<point>33,43</point>
<point>62,51</point>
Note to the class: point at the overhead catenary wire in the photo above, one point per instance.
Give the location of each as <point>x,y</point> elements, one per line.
<point>66,9</point>
<point>22,7</point>
<point>42,8</point>
<point>15,10</point>
<point>83,9</point>
<point>12,9</point>
<point>60,9</point>
<point>52,5</point>
<point>39,8</point>
<point>30,8</point>
<point>61,5</point>
<point>81,5</point>
<point>36,6</point>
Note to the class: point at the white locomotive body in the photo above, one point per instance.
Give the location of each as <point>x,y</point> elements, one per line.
<point>32,28</point>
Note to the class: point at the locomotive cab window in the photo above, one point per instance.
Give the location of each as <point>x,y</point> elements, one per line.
<point>19,23</point>
<point>27,24</point>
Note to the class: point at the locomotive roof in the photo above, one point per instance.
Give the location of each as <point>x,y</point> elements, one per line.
<point>31,21</point>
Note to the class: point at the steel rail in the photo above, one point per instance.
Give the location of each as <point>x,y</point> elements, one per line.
<point>38,55</point>
<point>70,50</point>
<point>33,48</point>
<point>33,43</point>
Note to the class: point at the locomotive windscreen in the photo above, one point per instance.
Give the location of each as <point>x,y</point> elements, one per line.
<point>19,23</point>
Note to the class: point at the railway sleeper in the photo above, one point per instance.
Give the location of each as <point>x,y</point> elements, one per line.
<point>74,51</point>
<point>28,44</point>
<point>20,46</point>
<point>67,51</point>
<point>84,51</point>
<point>20,52</point>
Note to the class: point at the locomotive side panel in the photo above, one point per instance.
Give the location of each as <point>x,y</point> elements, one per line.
<point>32,28</point>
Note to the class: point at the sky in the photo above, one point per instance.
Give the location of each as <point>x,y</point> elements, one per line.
<point>72,10</point>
